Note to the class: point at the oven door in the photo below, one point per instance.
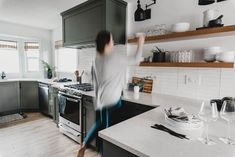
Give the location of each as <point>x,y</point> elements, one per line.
<point>70,111</point>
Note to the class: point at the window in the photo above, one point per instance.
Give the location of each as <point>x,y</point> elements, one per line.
<point>32,56</point>
<point>66,58</point>
<point>9,56</point>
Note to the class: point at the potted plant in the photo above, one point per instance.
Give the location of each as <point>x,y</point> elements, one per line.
<point>49,69</point>
<point>138,86</point>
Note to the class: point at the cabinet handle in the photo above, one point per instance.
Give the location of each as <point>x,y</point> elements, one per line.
<point>73,100</point>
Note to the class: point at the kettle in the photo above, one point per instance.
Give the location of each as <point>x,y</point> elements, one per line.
<point>216,22</point>
<point>209,15</point>
<point>220,102</point>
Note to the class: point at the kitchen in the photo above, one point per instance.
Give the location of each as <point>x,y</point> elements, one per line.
<point>47,48</point>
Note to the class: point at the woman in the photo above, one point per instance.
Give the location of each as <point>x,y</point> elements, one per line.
<point>108,77</point>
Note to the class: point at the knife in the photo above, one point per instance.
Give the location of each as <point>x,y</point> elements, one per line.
<point>171,132</point>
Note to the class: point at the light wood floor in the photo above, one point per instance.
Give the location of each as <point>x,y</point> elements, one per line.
<point>36,136</point>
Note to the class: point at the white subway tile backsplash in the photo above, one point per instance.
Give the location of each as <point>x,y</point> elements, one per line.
<point>187,82</point>
<point>227,83</point>
<point>197,83</point>
<point>166,80</point>
<point>209,83</point>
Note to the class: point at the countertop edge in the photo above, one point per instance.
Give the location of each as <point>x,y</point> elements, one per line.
<point>122,146</point>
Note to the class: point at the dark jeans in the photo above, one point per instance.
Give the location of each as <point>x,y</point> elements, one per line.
<point>102,122</point>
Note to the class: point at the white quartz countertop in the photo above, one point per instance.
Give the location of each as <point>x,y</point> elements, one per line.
<point>141,98</point>
<point>48,81</point>
<point>136,135</point>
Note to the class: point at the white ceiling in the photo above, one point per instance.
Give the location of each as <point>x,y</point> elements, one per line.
<point>37,13</point>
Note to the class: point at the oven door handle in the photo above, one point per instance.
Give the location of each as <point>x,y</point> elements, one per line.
<point>73,100</point>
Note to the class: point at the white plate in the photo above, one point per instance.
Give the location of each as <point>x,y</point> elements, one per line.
<point>183,124</point>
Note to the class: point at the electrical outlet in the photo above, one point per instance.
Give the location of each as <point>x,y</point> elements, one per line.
<point>191,80</point>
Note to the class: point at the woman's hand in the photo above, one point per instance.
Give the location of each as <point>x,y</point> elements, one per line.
<point>141,41</point>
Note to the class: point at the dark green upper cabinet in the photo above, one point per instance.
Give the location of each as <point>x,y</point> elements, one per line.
<point>82,23</point>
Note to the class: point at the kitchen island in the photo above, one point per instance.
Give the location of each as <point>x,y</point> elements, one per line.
<point>135,137</point>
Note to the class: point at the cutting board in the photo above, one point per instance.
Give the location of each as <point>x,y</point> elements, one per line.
<point>148,84</point>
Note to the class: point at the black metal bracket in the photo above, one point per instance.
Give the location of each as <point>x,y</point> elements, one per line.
<point>148,5</point>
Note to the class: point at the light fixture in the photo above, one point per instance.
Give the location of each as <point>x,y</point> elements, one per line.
<point>140,14</point>
<point>207,2</point>
<point>148,11</point>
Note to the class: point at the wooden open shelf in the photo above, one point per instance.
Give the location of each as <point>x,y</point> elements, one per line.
<point>202,33</point>
<point>192,65</point>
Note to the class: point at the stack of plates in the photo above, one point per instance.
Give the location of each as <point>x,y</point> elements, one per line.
<point>177,117</point>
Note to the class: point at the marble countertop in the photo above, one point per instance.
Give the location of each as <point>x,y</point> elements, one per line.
<point>136,135</point>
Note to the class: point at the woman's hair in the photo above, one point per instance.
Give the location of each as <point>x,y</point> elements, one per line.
<point>102,39</point>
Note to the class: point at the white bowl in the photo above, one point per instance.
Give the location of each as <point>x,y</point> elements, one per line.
<point>210,53</point>
<point>226,56</point>
<point>181,27</point>
<point>213,50</point>
<point>209,57</point>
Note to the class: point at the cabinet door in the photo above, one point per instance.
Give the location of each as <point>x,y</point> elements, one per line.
<point>116,20</point>
<point>9,97</point>
<point>44,98</point>
<point>29,96</point>
<point>127,111</point>
<point>82,25</point>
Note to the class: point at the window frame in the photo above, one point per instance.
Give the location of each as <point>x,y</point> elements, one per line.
<point>6,38</point>
<point>25,58</point>
<point>21,52</point>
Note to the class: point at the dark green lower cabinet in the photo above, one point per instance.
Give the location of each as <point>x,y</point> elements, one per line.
<point>9,98</point>
<point>29,100</point>
<point>127,111</point>
<point>111,150</point>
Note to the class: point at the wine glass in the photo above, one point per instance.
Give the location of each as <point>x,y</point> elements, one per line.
<point>228,114</point>
<point>208,113</point>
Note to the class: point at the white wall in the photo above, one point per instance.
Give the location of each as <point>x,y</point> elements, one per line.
<point>13,30</point>
<point>173,11</point>
<point>202,83</point>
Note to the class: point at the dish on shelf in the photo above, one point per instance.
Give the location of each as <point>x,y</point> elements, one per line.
<point>210,53</point>
<point>155,30</point>
<point>181,27</point>
<point>226,56</point>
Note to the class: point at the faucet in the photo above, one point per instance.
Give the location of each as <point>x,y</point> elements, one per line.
<point>3,75</point>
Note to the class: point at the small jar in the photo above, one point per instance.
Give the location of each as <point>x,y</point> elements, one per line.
<point>136,89</point>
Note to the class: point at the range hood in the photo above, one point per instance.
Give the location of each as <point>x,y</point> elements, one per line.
<point>82,23</point>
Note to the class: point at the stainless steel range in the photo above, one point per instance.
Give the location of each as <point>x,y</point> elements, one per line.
<point>71,111</point>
